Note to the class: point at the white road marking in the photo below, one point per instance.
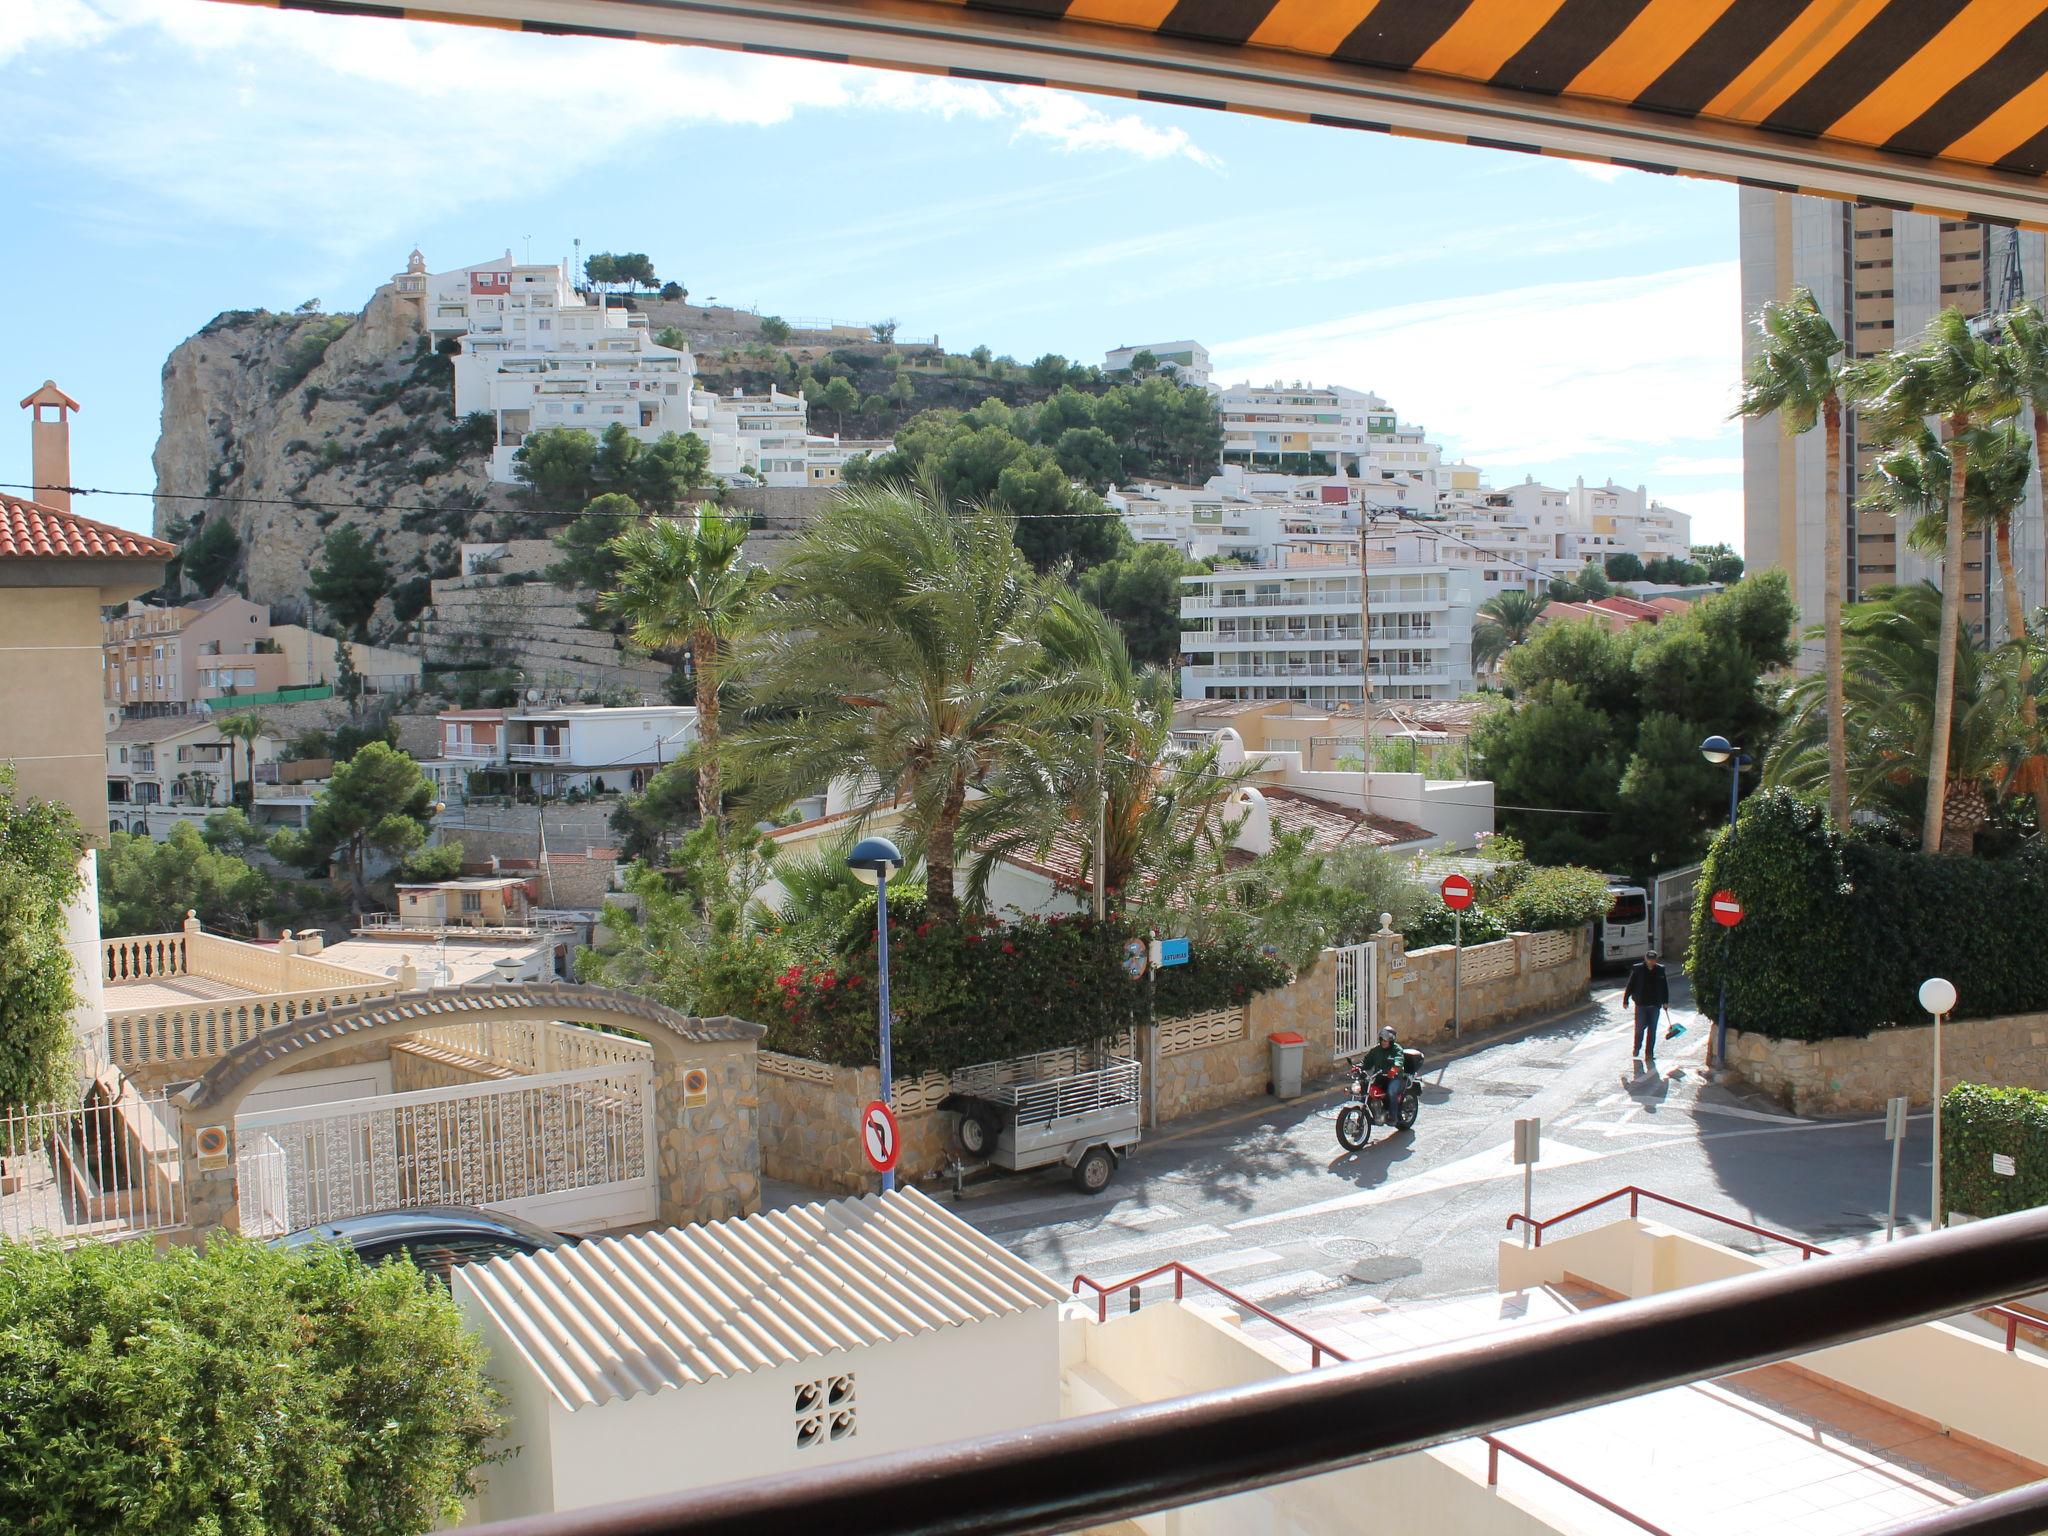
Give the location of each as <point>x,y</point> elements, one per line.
<point>1240,1258</point>
<point>1291,1283</point>
<point>1166,1244</point>
<point>1496,1163</point>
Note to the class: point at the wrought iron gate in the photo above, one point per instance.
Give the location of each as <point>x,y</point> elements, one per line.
<point>571,1150</point>
<point>1357,998</point>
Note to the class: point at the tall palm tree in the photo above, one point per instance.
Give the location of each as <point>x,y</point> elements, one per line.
<point>2022,356</point>
<point>1504,622</point>
<point>1950,373</point>
<point>1912,481</point>
<point>245,728</point>
<point>1797,376</point>
<point>681,586</point>
<point>900,650</point>
<point>1890,646</point>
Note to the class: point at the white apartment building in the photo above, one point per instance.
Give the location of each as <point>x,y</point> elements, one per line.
<point>1271,423</point>
<point>1235,516</point>
<point>1188,361</point>
<point>550,750</point>
<point>537,354</point>
<point>1289,630</point>
<point>1611,519</point>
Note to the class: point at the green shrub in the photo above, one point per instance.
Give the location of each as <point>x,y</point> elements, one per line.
<point>233,1391</point>
<point>1838,933</point>
<point>1547,899</point>
<point>969,992</point>
<point>1978,1121</point>
<point>40,843</point>
<point>1434,924</point>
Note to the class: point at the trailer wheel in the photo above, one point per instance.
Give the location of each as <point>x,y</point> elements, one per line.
<point>1094,1171</point>
<point>977,1135</point>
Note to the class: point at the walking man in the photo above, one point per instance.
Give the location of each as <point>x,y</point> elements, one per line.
<point>1650,990</point>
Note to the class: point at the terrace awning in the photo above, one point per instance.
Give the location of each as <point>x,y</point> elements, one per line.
<point>1935,105</point>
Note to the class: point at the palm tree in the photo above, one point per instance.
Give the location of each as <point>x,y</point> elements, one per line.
<point>1949,373</point>
<point>1797,377</point>
<point>1890,647</point>
<point>1912,481</point>
<point>2022,357</point>
<point>682,586</point>
<point>245,728</point>
<point>1100,771</point>
<point>900,650</point>
<point>1504,622</point>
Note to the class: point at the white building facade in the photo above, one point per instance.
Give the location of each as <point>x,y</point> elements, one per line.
<point>1290,630</point>
<point>1187,361</point>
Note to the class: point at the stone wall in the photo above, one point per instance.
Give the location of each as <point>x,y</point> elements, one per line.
<point>810,1119</point>
<point>1849,1076</point>
<point>708,1147</point>
<point>1521,977</point>
<point>1209,1060</point>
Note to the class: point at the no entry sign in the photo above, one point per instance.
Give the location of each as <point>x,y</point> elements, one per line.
<point>1727,910</point>
<point>878,1137</point>
<point>1457,892</point>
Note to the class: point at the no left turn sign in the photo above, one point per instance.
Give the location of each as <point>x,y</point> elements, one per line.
<point>878,1137</point>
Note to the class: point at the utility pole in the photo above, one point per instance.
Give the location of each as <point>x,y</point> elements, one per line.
<point>1101,837</point>
<point>1365,647</point>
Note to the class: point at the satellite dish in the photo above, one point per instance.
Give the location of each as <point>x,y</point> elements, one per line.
<point>533,695</point>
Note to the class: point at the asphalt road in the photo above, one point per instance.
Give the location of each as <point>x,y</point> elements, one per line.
<point>1264,1200</point>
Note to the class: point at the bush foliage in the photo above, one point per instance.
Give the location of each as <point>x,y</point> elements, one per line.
<point>1838,933</point>
<point>234,1391</point>
<point>40,842</point>
<point>973,991</point>
<point>1978,1121</point>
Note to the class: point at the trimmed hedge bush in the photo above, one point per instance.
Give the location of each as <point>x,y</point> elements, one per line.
<point>974,991</point>
<point>1563,897</point>
<point>1978,1121</point>
<point>1838,933</point>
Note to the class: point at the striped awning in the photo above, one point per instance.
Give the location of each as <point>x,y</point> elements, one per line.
<point>1938,105</point>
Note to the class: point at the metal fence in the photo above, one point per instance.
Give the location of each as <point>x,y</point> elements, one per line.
<point>107,1168</point>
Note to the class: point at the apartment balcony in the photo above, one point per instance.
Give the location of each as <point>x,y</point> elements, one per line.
<point>538,751</point>
<point>484,750</point>
<point>1227,672</point>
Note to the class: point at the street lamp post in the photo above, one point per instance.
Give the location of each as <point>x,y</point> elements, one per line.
<point>872,861</point>
<point>1938,997</point>
<point>1718,750</point>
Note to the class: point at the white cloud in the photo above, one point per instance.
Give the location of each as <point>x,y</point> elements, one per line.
<point>353,129</point>
<point>49,25</point>
<point>1595,171</point>
<point>1679,464</point>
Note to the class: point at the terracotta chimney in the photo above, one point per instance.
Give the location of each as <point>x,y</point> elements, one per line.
<point>50,441</point>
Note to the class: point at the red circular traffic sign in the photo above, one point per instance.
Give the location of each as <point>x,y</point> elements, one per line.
<point>878,1136</point>
<point>1727,910</point>
<point>1457,892</point>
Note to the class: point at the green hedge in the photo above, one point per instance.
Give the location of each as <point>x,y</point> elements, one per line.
<point>1838,933</point>
<point>973,991</point>
<point>1978,1121</point>
<point>1563,897</point>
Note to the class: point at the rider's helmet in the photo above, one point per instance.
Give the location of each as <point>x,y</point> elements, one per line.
<point>1386,1034</point>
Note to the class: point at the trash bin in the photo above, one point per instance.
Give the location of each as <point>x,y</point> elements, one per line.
<point>1286,1049</point>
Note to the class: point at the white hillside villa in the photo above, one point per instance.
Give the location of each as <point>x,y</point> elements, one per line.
<point>536,353</point>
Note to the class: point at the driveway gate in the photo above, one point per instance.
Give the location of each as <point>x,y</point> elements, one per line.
<point>570,1150</point>
<point>1357,998</point>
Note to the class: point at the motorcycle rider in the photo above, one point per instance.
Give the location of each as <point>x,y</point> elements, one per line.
<point>1388,1056</point>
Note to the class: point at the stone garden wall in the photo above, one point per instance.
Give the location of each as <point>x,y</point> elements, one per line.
<point>810,1116</point>
<point>1521,977</point>
<point>1850,1076</point>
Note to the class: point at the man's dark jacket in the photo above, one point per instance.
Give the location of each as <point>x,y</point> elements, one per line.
<point>1647,987</point>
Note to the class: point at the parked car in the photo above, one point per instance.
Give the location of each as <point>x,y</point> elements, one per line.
<point>435,1237</point>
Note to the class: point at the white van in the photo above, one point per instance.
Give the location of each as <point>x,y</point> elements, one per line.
<point>1622,937</point>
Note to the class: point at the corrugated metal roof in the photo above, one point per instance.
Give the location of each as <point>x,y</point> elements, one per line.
<point>614,1317</point>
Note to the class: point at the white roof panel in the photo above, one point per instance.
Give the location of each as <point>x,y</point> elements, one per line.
<point>614,1317</point>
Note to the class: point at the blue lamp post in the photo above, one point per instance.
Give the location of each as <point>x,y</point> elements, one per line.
<point>872,861</point>
<point>1718,750</point>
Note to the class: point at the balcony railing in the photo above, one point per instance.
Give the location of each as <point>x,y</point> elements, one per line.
<point>542,751</point>
<point>470,749</point>
<point>1105,1467</point>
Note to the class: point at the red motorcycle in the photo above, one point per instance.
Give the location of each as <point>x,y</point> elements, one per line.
<point>1356,1120</point>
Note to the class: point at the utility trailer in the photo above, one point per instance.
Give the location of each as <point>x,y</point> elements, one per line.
<point>1079,1108</point>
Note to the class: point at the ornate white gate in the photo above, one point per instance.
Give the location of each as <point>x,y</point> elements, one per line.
<point>570,1150</point>
<point>1357,998</point>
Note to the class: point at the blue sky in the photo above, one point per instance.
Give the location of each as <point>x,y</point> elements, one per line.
<point>175,158</point>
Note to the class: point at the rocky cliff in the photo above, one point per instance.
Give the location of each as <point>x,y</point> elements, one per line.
<point>289,425</point>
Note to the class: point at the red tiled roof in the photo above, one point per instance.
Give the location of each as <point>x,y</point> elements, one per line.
<point>1330,826</point>
<point>31,531</point>
<point>1631,607</point>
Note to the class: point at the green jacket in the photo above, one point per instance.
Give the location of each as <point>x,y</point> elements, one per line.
<point>1386,1056</point>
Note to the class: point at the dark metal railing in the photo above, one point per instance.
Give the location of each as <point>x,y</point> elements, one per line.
<point>2011,1321</point>
<point>1109,1466</point>
<point>1497,1448</point>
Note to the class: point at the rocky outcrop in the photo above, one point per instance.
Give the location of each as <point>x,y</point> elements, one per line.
<point>287,426</point>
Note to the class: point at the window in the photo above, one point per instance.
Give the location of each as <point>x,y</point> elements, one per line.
<point>472,901</point>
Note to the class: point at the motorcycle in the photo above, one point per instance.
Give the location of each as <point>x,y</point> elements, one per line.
<point>1356,1120</point>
